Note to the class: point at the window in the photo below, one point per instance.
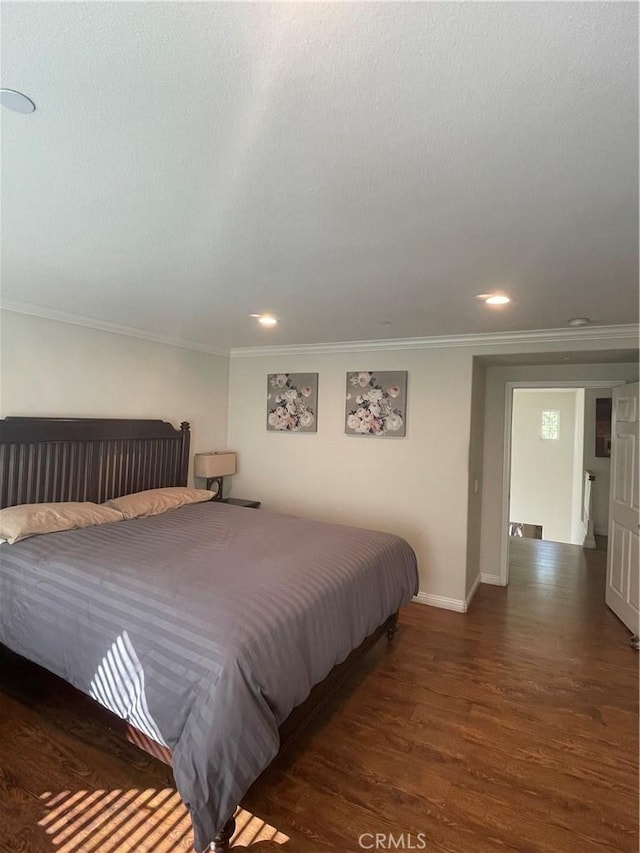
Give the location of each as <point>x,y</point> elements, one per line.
<point>550,430</point>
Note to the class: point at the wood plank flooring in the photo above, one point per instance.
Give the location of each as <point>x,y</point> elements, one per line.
<point>512,727</point>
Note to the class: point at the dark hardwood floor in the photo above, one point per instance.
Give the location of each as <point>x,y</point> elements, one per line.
<point>513,727</point>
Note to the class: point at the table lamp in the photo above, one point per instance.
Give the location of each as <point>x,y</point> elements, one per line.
<point>214,467</point>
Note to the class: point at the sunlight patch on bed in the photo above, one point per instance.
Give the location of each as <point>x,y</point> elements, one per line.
<point>119,686</point>
<point>134,821</point>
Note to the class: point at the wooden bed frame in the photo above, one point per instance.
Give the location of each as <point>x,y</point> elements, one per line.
<point>82,459</point>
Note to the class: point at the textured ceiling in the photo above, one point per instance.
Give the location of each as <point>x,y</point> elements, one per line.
<point>361,170</point>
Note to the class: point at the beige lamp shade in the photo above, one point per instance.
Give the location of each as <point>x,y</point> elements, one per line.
<point>214,464</point>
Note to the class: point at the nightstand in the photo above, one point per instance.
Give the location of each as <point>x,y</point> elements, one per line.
<point>241,502</point>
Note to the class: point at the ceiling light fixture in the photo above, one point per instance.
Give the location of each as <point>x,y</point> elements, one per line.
<point>265,319</point>
<point>16,101</point>
<point>579,321</point>
<point>494,298</point>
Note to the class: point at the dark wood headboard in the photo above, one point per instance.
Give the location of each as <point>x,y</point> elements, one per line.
<point>88,459</point>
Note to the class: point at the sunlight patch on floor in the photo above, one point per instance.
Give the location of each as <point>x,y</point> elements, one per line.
<point>251,829</point>
<point>134,821</point>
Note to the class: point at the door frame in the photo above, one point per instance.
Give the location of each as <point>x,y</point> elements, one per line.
<point>510,387</point>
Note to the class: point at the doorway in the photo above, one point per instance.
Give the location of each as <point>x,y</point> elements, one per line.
<point>592,390</point>
<point>547,464</point>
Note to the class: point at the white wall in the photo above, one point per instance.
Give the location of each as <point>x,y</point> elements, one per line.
<point>542,472</point>
<point>50,368</point>
<point>496,379</point>
<point>414,486</point>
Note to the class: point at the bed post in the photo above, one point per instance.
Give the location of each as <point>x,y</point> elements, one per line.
<point>392,626</point>
<point>185,428</point>
<point>220,843</point>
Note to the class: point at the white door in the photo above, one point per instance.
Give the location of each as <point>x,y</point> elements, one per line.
<point>623,561</point>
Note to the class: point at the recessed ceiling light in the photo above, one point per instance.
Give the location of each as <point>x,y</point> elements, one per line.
<point>265,319</point>
<point>494,298</point>
<point>579,321</point>
<point>16,101</point>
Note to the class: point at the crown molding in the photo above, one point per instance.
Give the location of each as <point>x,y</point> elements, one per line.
<point>539,336</point>
<point>104,326</point>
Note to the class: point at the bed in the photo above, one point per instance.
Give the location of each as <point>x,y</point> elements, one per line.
<point>210,633</point>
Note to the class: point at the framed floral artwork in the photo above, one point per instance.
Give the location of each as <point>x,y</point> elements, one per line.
<point>376,403</point>
<point>292,402</point>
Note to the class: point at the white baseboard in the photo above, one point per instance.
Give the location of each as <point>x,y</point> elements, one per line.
<point>457,604</point>
<point>496,580</point>
<point>441,601</point>
<point>471,593</point>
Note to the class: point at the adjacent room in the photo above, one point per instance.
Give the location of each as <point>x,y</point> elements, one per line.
<point>547,448</point>
<point>319,411</point>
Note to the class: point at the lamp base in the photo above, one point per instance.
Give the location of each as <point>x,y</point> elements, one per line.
<point>218,491</point>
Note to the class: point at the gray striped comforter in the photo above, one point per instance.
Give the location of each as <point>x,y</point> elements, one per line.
<point>204,627</point>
